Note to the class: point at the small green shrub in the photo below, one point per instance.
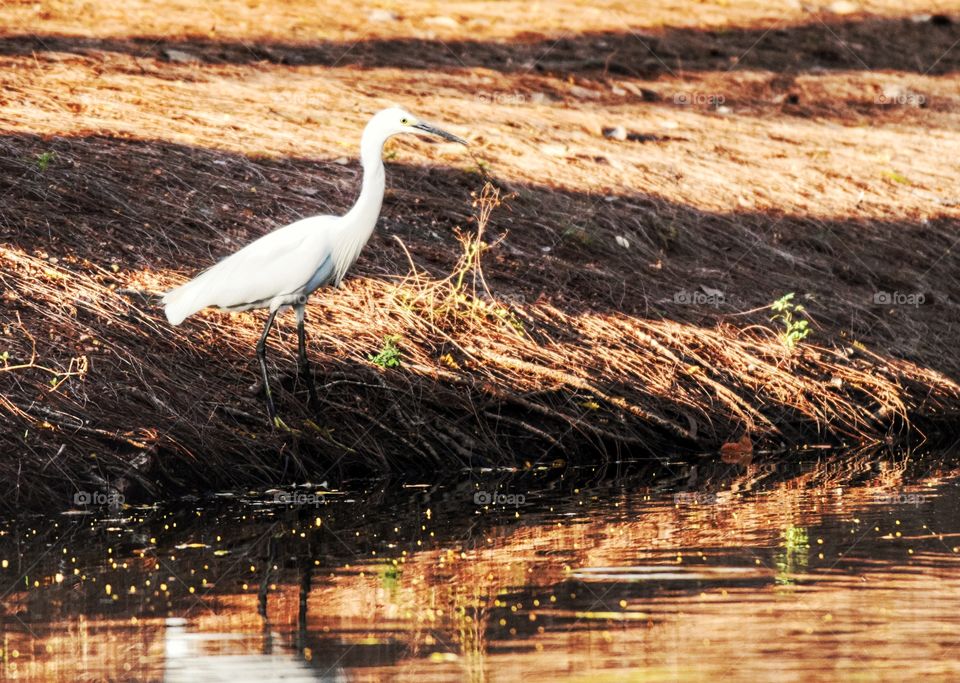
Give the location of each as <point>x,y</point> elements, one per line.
<point>795,328</point>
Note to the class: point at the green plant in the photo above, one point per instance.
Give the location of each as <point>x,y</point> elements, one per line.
<point>45,159</point>
<point>389,356</point>
<point>795,328</point>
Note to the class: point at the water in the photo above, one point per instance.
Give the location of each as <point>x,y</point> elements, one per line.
<point>842,571</point>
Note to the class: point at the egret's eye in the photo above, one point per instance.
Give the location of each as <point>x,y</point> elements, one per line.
<point>405,121</point>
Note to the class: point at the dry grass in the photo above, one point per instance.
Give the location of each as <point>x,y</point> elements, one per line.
<point>556,325</point>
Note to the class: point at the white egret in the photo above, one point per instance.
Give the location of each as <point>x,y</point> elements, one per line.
<point>282,268</point>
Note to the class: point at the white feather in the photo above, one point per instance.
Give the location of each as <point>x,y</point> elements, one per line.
<point>271,268</point>
<point>279,268</point>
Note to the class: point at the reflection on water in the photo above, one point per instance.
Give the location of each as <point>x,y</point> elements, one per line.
<point>840,571</point>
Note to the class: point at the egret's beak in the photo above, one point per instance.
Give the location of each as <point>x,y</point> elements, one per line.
<point>427,128</point>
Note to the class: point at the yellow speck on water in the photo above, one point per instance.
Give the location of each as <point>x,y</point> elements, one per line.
<point>317,522</point>
<point>58,578</point>
<point>163,587</point>
<point>108,588</point>
<point>4,564</point>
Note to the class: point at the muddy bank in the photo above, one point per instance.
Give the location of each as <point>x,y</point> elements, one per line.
<point>620,302</point>
<point>484,353</point>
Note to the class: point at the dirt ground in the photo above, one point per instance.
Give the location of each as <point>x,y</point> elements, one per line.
<point>667,172</point>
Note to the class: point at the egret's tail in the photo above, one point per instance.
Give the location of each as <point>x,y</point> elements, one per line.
<point>182,302</point>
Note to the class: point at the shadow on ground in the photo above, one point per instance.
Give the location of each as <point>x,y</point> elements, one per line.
<point>855,44</point>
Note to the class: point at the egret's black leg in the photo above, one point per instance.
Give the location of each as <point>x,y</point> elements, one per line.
<point>262,357</point>
<point>303,361</point>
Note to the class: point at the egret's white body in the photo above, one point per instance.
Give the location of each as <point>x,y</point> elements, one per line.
<point>284,267</point>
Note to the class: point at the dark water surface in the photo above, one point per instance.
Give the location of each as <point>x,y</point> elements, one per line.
<point>847,570</point>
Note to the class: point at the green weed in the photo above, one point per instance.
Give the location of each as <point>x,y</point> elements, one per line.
<point>389,356</point>
<point>795,328</point>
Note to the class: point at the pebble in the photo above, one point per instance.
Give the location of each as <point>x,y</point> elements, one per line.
<point>615,133</point>
<point>584,93</point>
<point>448,22</point>
<point>843,7</point>
<point>382,15</point>
<point>553,150</point>
<point>180,57</point>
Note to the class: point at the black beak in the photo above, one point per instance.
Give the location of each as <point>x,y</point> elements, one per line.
<point>427,128</point>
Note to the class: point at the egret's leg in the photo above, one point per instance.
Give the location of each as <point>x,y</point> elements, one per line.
<point>262,357</point>
<point>303,361</point>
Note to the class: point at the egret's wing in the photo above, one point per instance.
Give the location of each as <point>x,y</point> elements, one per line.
<point>280,262</point>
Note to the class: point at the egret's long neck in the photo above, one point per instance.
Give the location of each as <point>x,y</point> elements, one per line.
<point>363,216</point>
<point>357,225</point>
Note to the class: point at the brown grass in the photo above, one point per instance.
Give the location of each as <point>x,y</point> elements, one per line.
<point>561,332</point>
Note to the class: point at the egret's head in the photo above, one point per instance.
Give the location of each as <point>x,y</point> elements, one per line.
<point>394,121</point>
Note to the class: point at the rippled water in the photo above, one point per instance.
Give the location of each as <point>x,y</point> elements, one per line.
<point>846,571</point>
